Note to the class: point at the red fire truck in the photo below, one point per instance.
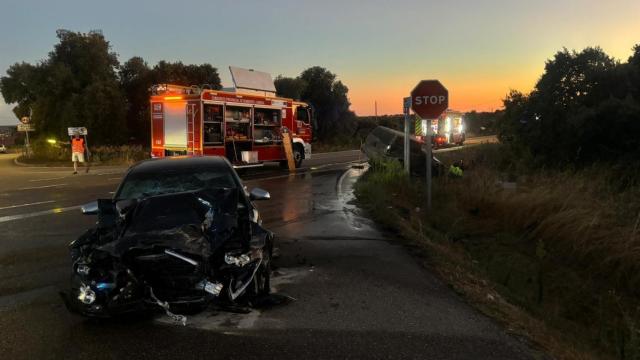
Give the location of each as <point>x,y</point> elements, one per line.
<point>245,125</point>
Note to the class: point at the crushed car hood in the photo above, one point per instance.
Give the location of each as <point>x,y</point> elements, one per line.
<point>193,222</point>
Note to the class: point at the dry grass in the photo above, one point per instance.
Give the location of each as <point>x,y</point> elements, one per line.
<point>44,153</point>
<point>562,248</point>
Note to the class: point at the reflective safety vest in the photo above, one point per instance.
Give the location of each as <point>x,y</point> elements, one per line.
<point>455,171</point>
<point>77,145</point>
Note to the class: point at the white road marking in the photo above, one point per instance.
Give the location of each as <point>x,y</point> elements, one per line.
<point>38,213</point>
<point>55,178</point>
<point>22,205</point>
<point>114,178</point>
<point>42,187</point>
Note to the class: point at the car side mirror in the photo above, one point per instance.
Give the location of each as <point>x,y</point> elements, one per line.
<point>124,206</point>
<point>90,208</point>
<point>259,194</point>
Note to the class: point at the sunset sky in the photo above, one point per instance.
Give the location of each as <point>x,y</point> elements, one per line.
<point>379,49</point>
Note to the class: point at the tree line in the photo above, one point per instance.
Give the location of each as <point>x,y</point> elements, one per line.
<point>82,83</point>
<point>585,108</point>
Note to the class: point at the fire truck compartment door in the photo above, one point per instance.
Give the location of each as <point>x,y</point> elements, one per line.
<point>175,124</point>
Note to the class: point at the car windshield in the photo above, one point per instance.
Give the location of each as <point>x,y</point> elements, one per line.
<point>168,182</point>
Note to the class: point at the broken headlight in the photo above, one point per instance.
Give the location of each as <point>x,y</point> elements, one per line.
<point>238,260</point>
<point>86,295</point>
<point>83,269</point>
<point>211,288</point>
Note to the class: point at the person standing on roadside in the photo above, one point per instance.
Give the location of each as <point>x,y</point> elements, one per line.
<point>77,153</point>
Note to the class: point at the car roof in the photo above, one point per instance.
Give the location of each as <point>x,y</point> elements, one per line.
<point>178,163</point>
<point>388,130</point>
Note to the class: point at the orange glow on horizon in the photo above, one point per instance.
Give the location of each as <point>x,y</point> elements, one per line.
<point>483,93</point>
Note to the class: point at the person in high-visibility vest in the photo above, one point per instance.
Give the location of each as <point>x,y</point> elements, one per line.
<point>456,169</point>
<point>77,153</point>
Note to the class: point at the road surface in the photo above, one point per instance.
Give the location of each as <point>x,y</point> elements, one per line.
<point>358,294</point>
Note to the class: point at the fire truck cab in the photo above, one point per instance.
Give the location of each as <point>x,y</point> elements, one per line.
<point>245,123</point>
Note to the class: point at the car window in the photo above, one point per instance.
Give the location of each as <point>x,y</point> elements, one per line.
<point>149,184</point>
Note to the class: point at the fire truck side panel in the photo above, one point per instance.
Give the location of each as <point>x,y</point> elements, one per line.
<point>270,152</point>
<point>214,150</point>
<point>175,125</point>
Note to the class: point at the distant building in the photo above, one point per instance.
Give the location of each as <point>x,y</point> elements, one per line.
<point>8,134</point>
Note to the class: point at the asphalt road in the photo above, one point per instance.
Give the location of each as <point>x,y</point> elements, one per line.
<point>358,295</point>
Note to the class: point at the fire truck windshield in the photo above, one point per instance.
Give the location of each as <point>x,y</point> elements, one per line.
<point>302,114</point>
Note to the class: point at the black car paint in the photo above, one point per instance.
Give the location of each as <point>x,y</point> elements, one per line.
<point>142,251</point>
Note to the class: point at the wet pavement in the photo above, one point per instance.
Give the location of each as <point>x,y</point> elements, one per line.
<point>357,294</point>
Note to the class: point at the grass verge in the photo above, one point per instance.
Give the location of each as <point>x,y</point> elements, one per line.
<point>54,155</point>
<point>554,255</point>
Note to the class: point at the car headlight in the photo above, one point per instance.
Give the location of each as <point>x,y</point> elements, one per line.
<point>86,295</point>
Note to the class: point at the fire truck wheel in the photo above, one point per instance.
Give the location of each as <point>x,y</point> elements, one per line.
<point>298,155</point>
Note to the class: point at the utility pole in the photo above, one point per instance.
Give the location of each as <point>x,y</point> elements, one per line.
<point>375,104</point>
<point>429,155</point>
<point>407,133</point>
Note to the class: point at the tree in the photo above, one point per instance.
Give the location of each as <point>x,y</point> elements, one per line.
<point>584,108</point>
<point>289,87</point>
<point>135,80</point>
<point>179,74</point>
<point>329,98</point>
<point>481,123</point>
<point>17,87</point>
<point>75,86</point>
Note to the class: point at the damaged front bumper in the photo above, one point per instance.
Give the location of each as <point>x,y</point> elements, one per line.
<point>176,253</point>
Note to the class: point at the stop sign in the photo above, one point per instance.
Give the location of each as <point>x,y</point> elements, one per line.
<point>429,99</point>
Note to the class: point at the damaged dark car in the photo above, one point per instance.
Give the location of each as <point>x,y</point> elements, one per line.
<point>179,234</point>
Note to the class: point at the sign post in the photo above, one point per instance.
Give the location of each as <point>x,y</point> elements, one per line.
<point>407,133</point>
<point>26,127</point>
<point>429,99</point>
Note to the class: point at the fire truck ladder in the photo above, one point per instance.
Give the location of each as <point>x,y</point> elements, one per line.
<point>191,136</point>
